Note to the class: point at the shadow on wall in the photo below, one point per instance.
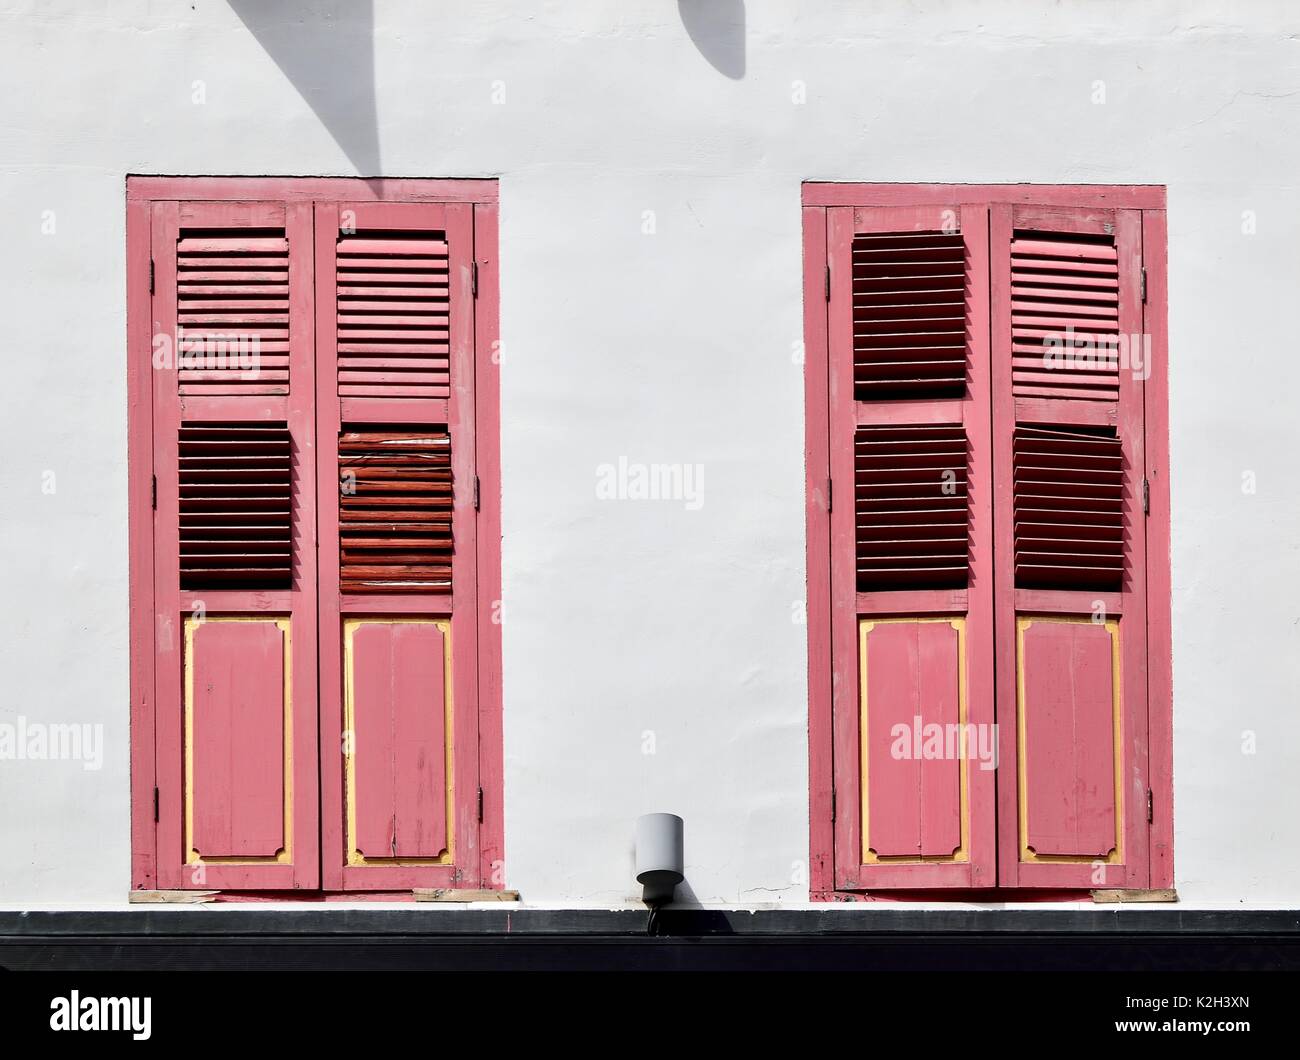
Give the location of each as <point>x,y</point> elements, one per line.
<point>718,29</point>
<point>327,51</point>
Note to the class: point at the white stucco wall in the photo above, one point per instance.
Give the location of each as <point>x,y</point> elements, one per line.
<point>671,347</point>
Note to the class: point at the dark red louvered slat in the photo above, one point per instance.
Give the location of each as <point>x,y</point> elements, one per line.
<point>393,314</point>
<point>1069,510</point>
<point>232,311</point>
<point>395,510</point>
<point>909,315</point>
<point>236,482</point>
<point>1064,316</point>
<point>910,485</point>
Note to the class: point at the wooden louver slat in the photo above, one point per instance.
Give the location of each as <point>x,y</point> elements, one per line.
<point>1064,316</point>
<point>393,299</point>
<point>236,486</point>
<point>395,510</point>
<point>1069,510</point>
<point>909,315</point>
<point>232,312</point>
<point>912,514</point>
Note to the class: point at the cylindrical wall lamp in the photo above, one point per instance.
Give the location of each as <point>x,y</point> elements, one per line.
<point>659,856</point>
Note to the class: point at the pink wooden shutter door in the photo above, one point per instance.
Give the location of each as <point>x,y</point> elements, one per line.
<point>395,385</point>
<point>911,549</point>
<point>1071,618</point>
<point>234,557</point>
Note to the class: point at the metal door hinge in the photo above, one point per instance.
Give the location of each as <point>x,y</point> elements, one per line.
<point>155,805</point>
<point>474,279</point>
<point>476,493</point>
<point>828,282</point>
<point>832,804</point>
<point>480,805</point>
<point>153,491</point>
<point>1146,497</point>
<point>830,496</point>
<point>1151,810</point>
<point>1144,285</point>
<point>151,275</point>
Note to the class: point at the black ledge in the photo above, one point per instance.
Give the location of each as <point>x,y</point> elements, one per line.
<point>862,937</point>
<point>442,920</point>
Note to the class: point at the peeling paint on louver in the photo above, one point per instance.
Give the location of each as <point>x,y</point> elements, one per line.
<point>395,510</point>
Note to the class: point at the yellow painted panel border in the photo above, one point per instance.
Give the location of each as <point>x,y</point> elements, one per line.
<point>350,626</point>
<point>962,854</point>
<point>285,854</point>
<point>1116,856</point>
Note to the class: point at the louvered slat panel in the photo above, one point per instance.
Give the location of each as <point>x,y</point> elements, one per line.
<point>395,508</point>
<point>232,311</point>
<point>909,315</point>
<point>911,507</point>
<point>393,315</point>
<point>1064,291</point>
<point>1069,510</point>
<point>235,506</point>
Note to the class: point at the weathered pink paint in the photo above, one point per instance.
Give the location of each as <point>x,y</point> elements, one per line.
<point>399,740</point>
<point>309,189</point>
<point>914,800</point>
<point>817,505</point>
<point>1069,752</point>
<point>487,444</point>
<point>1077,196</point>
<point>238,739</point>
<point>144,854</point>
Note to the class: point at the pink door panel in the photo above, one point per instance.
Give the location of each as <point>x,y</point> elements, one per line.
<point>399,728</point>
<point>236,740</point>
<point>912,680</point>
<point>1068,751</point>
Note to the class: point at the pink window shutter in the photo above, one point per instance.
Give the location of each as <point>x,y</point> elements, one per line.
<point>244,427</point>
<point>234,564</point>
<point>396,411</point>
<point>911,551</point>
<point>1070,518</point>
<point>1052,302</point>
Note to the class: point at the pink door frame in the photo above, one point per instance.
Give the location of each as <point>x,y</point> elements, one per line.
<point>148,199</point>
<point>825,674</point>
